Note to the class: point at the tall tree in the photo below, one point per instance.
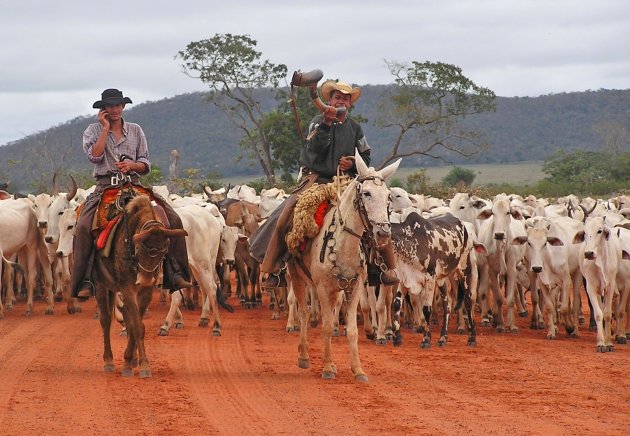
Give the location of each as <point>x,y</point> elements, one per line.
<point>282,129</point>
<point>234,71</point>
<point>426,109</point>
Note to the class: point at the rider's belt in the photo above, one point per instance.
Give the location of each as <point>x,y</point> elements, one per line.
<point>114,180</point>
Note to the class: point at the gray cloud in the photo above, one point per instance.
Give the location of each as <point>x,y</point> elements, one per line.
<point>62,58</point>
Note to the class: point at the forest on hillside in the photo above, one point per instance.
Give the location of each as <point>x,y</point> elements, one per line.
<point>521,129</point>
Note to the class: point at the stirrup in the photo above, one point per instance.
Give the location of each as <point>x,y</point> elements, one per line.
<point>86,290</point>
<point>274,280</point>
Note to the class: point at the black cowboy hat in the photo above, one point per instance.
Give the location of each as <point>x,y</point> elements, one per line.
<point>111,97</point>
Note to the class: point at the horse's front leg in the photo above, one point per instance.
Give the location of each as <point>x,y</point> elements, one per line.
<point>328,302</point>
<point>105,302</point>
<point>299,290</point>
<point>353,335</point>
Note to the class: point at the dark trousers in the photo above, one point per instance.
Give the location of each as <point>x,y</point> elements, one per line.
<point>83,245</point>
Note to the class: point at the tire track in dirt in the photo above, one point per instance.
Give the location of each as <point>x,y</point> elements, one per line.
<point>238,395</point>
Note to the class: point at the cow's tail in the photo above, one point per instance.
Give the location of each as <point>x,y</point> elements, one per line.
<point>14,265</point>
<point>222,301</point>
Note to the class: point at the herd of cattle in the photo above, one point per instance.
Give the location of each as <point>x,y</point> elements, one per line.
<point>501,248</point>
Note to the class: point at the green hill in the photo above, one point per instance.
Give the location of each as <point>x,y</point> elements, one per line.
<point>521,129</point>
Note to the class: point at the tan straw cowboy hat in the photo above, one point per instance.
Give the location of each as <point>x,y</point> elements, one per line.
<point>329,86</point>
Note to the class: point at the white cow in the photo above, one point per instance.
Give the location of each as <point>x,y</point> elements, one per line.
<point>601,254</point>
<point>554,265</point>
<point>20,235</point>
<point>500,226</point>
<point>64,253</point>
<point>204,234</point>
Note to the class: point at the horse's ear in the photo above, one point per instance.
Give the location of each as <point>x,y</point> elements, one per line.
<point>390,169</point>
<point>362,168</point>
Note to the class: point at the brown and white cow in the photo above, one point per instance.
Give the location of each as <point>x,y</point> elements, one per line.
<point>429,251</point>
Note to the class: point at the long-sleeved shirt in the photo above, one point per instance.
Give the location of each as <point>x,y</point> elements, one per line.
<point>322,152</point>
<point>133,143</point>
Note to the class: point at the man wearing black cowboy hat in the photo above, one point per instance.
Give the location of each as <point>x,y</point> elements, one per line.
<point>116,146</point>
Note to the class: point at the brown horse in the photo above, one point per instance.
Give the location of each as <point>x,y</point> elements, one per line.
<point>132,268</point>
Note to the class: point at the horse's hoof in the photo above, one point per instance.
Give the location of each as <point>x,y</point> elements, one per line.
<point>58,298</point>
<point>381,341</point>
<point>621,340</point>
<point>291,329</point>
<point>216,332</point>
<point>179,325</point>
<point>551,337</point>
<point>203,322</point>
<point>335,333</point>
<point>361,378</point>
<point>523,314</point>
<point>275,316</point>
<point>108,367</point>
<point>127,372</point>
<point>485,323</point>
<point>472,343</point>
<point>500,330</point>
<point>145,373</point>
<point>29,313</point>
<point>371,336</point>
<point>513,329</point>
<point>303,363</point>
<point>314,324</point>
<point>533,326</point>
<point>163,332</point>
<point>425,345</point>
<point>442,343</point>
<point>48,312</point>
<point>328,375</point>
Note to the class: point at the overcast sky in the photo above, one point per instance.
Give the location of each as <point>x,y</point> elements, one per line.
<point>57,57</point>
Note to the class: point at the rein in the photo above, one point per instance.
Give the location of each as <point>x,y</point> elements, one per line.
<point>151,252</point>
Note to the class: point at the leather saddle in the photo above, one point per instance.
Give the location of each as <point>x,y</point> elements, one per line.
<point>109,213</point>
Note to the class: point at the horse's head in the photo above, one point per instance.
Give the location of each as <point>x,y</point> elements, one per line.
<point>374,198</point>
<point>151,241</point>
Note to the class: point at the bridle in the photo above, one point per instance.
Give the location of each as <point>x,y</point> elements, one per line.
<point>347,284</point>
<point>132,249</point>
<point>151,252</point>
<point>359,205</point>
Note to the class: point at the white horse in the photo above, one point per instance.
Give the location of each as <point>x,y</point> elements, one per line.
<point>363,207</point>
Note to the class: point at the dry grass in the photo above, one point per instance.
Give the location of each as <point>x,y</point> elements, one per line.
<point>523,173</point>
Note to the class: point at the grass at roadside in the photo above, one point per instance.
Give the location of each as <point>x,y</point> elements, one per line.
<point>522,173</point>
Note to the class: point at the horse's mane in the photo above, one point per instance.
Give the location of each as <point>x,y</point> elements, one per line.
<point>137,204</point>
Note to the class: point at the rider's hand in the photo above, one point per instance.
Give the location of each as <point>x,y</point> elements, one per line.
<point>330,114</point>
<point>346,162</point>
<point>126,165</point>
<point>103,118</point>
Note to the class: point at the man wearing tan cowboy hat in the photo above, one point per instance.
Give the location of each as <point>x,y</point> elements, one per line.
<point>116,146</point>
<point>332,140</point>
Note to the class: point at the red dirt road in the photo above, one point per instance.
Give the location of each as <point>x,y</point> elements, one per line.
<point>247,381</point>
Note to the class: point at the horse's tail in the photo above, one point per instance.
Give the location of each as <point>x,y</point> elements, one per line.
<point>221,300</point>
